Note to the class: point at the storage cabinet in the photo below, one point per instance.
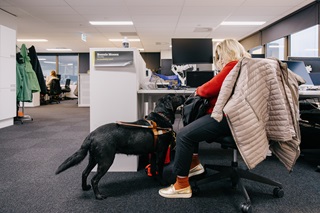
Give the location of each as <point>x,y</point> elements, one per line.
<point>7,42</point>
<point>7,76</point>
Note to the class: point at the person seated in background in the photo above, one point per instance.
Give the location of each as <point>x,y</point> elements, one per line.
<point>53,75</point>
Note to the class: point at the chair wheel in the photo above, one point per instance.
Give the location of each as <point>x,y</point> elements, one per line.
<point>246,208</point>
<point>278,192</point>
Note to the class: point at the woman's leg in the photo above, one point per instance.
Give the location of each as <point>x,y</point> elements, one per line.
<point>202,129</point>
<point>188,138</point>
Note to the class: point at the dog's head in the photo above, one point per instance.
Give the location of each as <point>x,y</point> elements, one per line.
<point>168,105</point>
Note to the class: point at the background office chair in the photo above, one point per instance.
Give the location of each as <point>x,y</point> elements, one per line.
<point>236,175</point>
<point>66,88</point>
<point>310,129</point>
<point>55,91</point>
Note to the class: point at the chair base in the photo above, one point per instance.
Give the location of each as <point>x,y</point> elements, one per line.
<point>236,175</point>
<point>54,98</point>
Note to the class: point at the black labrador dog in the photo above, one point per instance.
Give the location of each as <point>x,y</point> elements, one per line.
<point>128,138</point>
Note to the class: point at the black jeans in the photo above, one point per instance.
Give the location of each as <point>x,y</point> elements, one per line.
<point>189,137</point>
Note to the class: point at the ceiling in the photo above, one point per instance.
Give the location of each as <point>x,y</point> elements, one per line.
<point>155,22</point>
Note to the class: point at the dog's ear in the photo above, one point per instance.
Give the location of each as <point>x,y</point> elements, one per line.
<point>168,103</point>
<point>177,101</point>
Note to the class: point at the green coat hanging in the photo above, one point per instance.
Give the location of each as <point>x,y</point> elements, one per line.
<point>27,82</point>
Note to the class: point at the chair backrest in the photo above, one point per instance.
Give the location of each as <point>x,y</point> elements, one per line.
<point>67,83</point>
<point>55,88</point>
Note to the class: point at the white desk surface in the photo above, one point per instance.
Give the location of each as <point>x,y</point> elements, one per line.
<point>302,94</point>
<point>309,94</point>
<point>167,91</point>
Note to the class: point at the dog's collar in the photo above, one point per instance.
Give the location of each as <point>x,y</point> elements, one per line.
<point>163,116</point>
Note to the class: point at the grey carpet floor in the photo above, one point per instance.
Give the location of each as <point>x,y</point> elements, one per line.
<point>31,152</point>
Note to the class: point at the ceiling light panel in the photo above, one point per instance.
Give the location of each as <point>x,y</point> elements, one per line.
<point>60,49</point>
<point>120,40</point>
<point>243,23</point>
<point>32,40</point>
<point>112,23</point>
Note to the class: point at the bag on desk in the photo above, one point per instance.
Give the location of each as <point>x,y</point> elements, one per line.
<point>173,80</point>
<point>193,108</point>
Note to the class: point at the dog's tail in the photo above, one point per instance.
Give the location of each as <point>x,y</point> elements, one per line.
<point>77,157</point>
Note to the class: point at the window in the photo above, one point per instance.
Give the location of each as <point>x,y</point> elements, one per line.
<point>305,42</point>
<point>275,49</point>
<point>256,50</point>
<point>68,68</point>
<point>47,63</point>
<point>65,65</point>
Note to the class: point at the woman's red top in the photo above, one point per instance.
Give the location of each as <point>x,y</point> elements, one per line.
<point>211,89</point>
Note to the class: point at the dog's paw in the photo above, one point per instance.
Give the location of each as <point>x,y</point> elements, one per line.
<point>100,197</point>
<point>86,188</point>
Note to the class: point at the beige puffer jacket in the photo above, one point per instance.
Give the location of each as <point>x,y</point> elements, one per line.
<point>260,99</point>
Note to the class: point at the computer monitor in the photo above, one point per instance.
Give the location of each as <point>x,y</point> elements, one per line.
<point>197,78</point>
<point>192,51</point>
<point>315,77</point>
<point>299,68</point>
<point>313,62</point>
<point>258,55</point>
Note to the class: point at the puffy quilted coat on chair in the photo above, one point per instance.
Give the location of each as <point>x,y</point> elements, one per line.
<point>260,99</point>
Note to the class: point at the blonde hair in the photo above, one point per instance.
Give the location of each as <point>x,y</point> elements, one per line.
<point>229,50</point>
<point>53,73</point>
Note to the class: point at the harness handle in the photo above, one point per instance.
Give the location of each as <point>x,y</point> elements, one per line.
<point>153,125</point>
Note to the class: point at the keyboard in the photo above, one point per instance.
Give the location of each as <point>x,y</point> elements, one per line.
<point>313,88</point>
<point>308,87</point>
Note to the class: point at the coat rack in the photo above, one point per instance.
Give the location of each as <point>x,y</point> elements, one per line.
<point>23,87</point>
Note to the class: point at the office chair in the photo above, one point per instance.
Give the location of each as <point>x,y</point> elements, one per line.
<point>55,91</point>
<point>236,175</point>
<point>66,87</point>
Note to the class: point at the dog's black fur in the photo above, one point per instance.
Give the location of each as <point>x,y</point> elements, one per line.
<point>109,139</point>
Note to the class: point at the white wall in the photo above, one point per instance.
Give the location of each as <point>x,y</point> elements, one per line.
<point>8,20</point>
<point>166,54</point>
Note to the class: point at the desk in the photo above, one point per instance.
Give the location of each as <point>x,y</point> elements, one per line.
<point>71,93</point>
<point>148,98</point>
<point>305,94</point>
<point>147,104</point>
<point>35,100</point>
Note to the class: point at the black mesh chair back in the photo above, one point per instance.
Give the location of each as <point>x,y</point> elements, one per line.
<point>67,86</point>
<point>55,91</point>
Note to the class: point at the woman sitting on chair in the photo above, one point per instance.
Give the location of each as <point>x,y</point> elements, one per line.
<point>53,75</point>
<point>186,162</point>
